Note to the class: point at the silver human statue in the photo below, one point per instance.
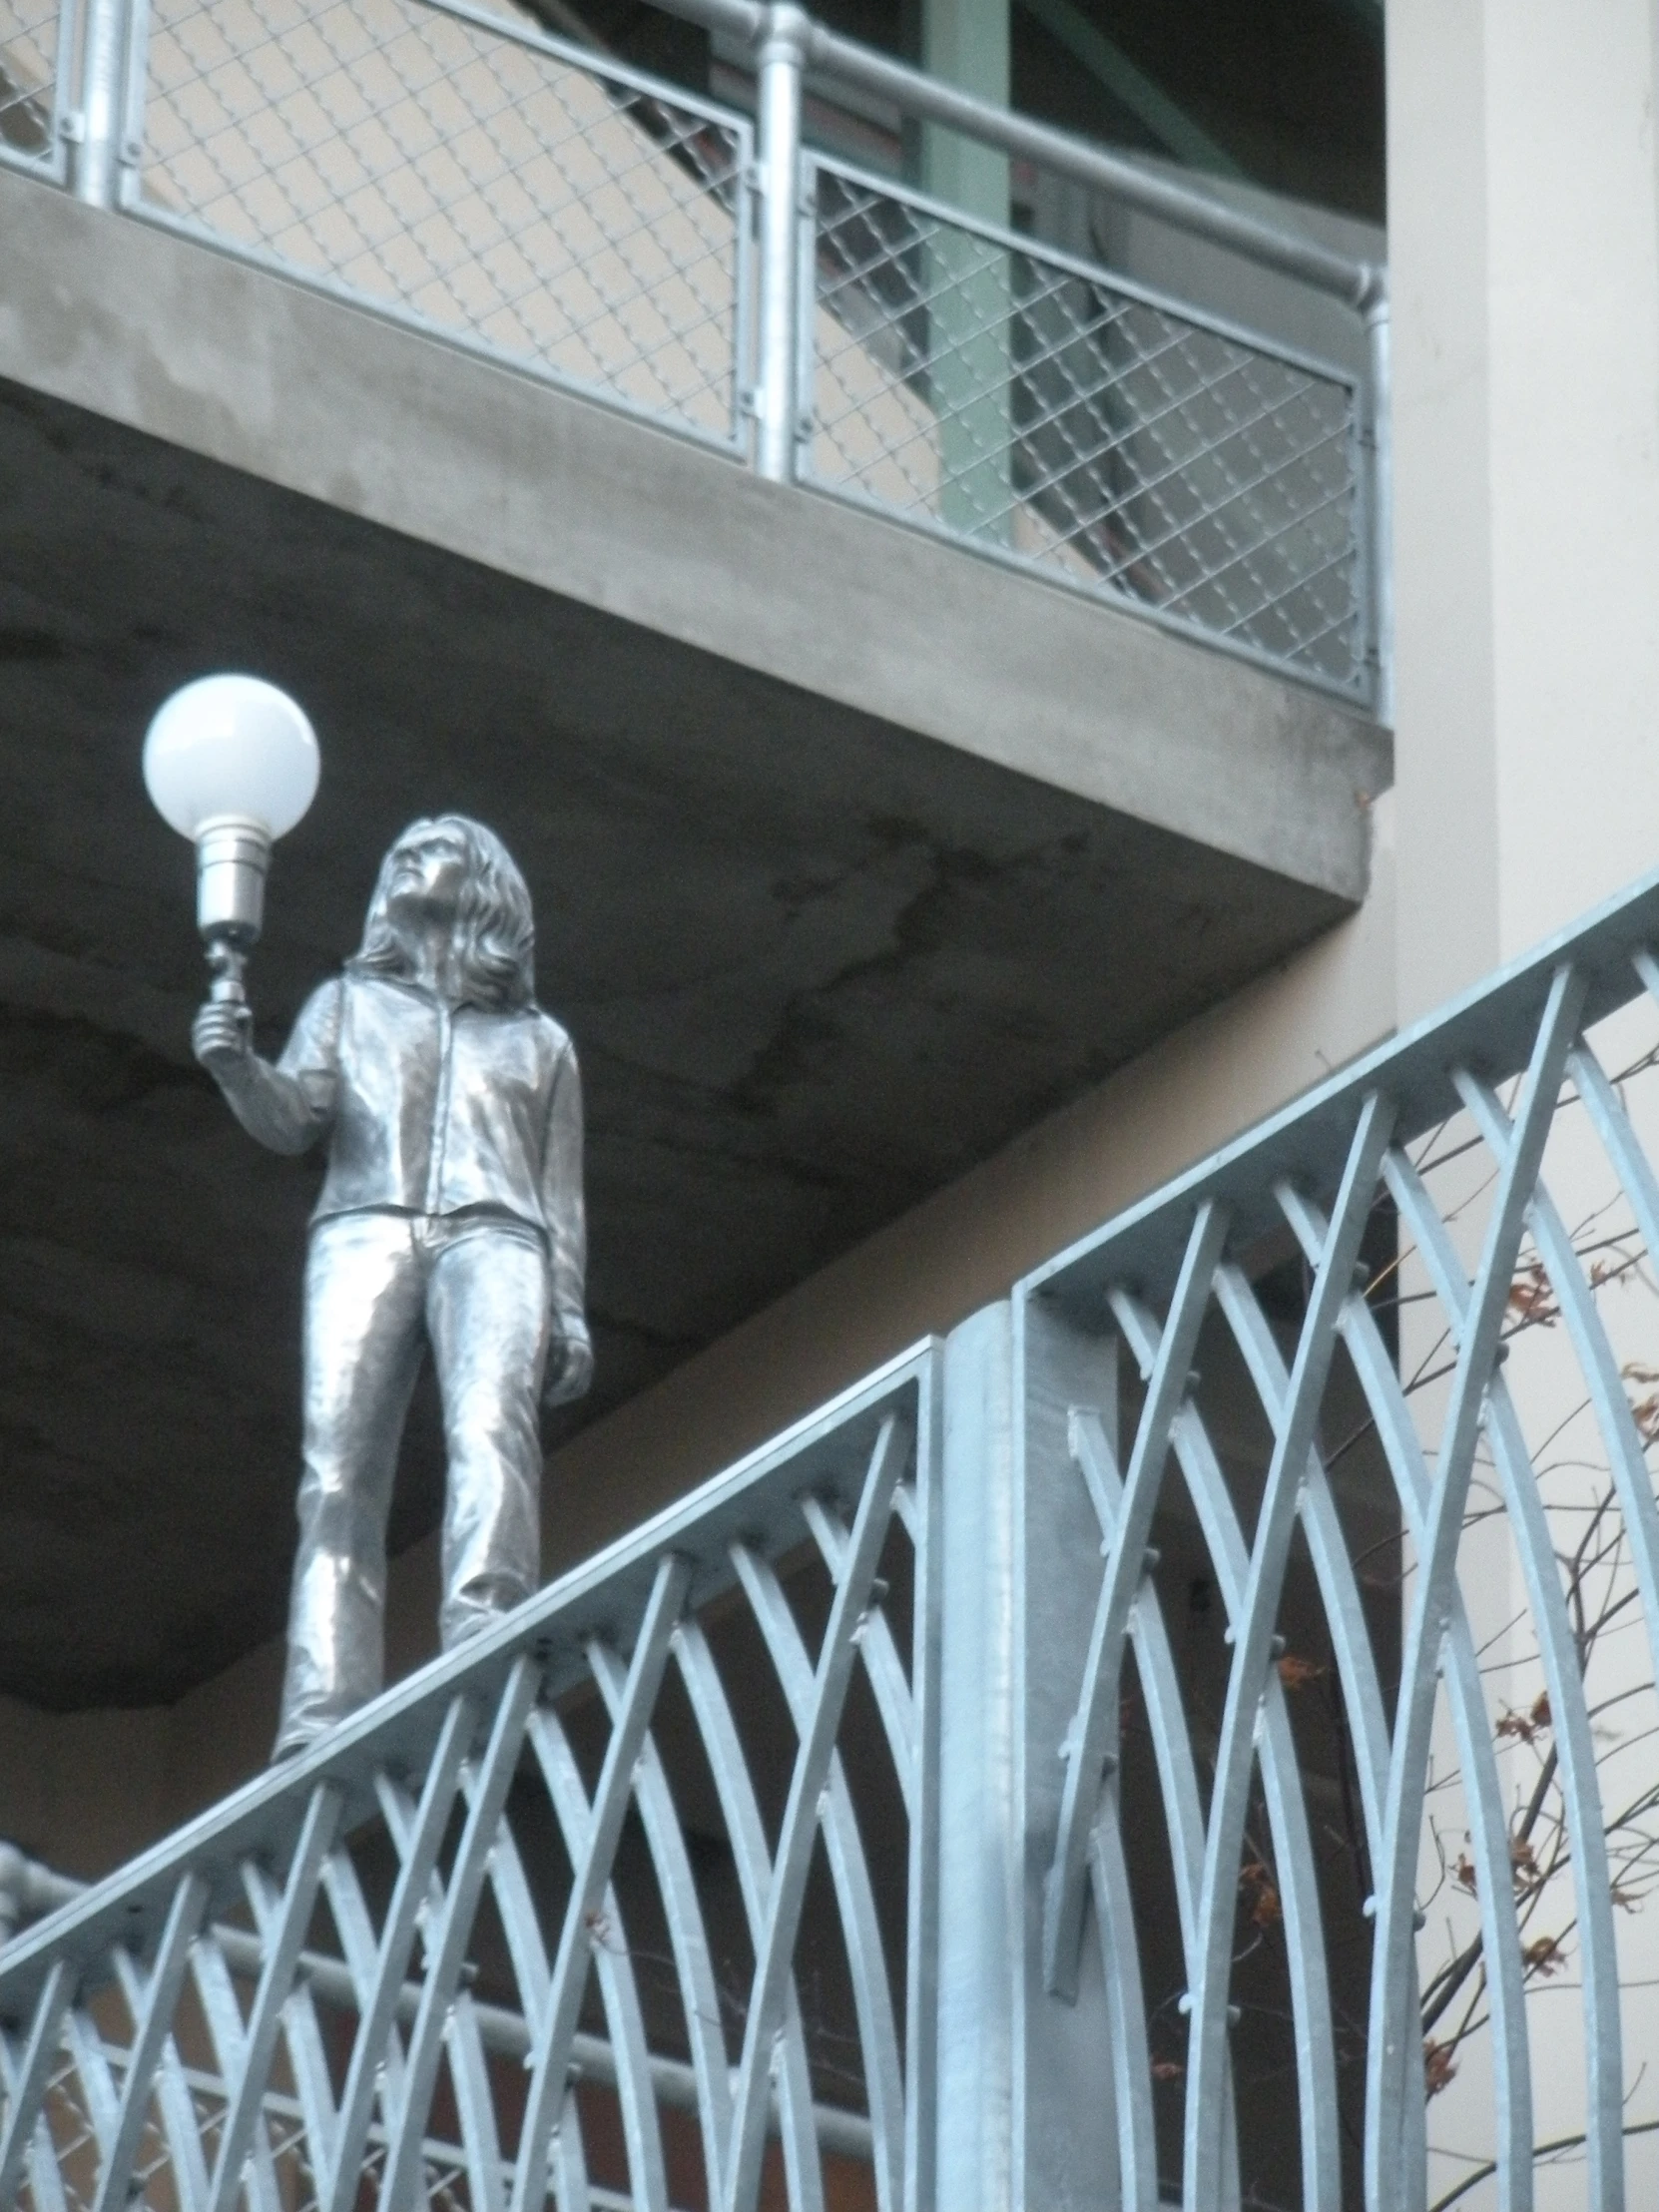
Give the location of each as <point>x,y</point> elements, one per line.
<point>450,1216</point>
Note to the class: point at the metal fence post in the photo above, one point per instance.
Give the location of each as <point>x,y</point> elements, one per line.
<point>1025,2080</point>
<point>96,129</point>
<point>783,57</point>
<point>1374,309</point>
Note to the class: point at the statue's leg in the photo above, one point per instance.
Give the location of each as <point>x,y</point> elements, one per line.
<point>364,1293</point>
<point>488,1314</point>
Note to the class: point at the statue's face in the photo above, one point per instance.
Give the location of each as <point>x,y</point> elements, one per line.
<point>428,871</point>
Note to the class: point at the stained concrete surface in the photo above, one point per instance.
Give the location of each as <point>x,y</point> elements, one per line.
<point>818,961</point>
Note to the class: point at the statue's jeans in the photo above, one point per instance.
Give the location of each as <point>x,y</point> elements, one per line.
<point>379,1287</point>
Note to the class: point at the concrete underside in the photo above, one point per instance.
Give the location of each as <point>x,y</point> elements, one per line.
<point>852,855</point>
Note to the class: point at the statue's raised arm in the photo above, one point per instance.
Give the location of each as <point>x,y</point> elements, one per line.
<point>450,1216</point>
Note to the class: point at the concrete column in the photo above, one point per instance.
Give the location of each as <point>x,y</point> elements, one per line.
<point>1524,249</point>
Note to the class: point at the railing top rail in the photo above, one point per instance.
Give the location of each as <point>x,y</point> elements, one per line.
<point>751,1502</point>
<point>1360,284</point>
<point>1490,1029</point>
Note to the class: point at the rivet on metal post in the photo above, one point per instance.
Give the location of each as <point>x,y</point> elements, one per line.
<point>781,61</point>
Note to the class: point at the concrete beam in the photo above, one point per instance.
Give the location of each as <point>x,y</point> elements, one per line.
<point>231,362</point>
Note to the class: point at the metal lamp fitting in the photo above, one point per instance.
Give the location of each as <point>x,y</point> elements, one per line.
<point>233,858</point>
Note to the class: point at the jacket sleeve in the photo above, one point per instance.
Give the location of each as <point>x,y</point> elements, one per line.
<point>561,1194</point>
<point>287,1106</point>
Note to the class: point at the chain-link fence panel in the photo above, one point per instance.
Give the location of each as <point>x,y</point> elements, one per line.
<point>978,385</point>
<point>33,55</point>
<point>459,170</point>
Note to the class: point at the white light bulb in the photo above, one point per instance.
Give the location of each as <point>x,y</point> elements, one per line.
<point>231,747</point>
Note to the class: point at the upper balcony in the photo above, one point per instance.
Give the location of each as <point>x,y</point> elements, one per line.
<point>916,667</point>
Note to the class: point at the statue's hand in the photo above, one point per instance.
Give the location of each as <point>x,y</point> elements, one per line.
<point>569,1367</point>
<point>222,1037</point>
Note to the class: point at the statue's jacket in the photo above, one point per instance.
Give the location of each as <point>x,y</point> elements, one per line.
<point>432,1108</point>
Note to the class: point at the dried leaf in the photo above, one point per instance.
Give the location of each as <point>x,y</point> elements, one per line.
<point>1531,1299</point>
<point>1544,1954</point>
<point>1529,1724</point>
<point>1438,2067</point>
<point>1262,1895</point>
<point>1167,2070</point>
<point>1463,1874</point>
<point>1296,1673</point>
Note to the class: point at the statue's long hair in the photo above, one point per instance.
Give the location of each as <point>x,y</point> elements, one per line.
<point>495,934</point>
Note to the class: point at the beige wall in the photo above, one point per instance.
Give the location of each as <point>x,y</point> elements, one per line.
<point>1524,256</point>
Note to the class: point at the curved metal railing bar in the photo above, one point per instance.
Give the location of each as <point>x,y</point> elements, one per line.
<point>741,1816</point>
<point>879,1652</point>
<point>808,1782</point>
<point>1392,2047</point>
<point>551,2058</point>
<point>1093,1737</point>
<point>1385,1401</point>
<point>1183,1823</point>
<point>1570,1717</point>
<point>1317,1510</point>
<point>449,1929</point>
<point>1246,1697</point>
<point>687,1936</point>
<point>1281,1790</point>
<point>613,1962</point>
<point>849,1874</point>
<point>170,2099</point>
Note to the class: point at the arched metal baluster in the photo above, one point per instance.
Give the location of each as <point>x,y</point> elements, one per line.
<point>301,2028</point>
<point>1392,2045</point>
<point>96,2078</point>
<point>687,1938</point>
<point>449,1928</point>
<point>1465,1699</point>
<point>795,1843</point>
<point>1183,1820</point>
<point>246,2071</point>
<point>1094,1730</point>
<point>28,2076</point>
<point>360,1947</point>
<point>881,1657</point>
<point>519,1922</point>
<point>1332,1570</point>
<point>152,2015</point>
<point>549,2079</point>
<point>181,2124</point>
<point>746,1836</point>
<point>1596,1358</point>
<point>528,1952</point>
<point>410,1897</point>
<point>850,1877</point>
<point>227,2030</point>
<point>1570,1714</point>
<point>613,1962</point>
<point>1247,1693</point>
<point>1292,1848</point>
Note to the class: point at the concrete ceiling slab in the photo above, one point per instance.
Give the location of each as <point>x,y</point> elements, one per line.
<point>817,962</point>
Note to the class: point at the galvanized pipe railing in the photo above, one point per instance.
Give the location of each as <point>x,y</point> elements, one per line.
<point>1142,449</point>
<point>1254,1616</point>
<point>29,1891</point>
<point>501,1786</point>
